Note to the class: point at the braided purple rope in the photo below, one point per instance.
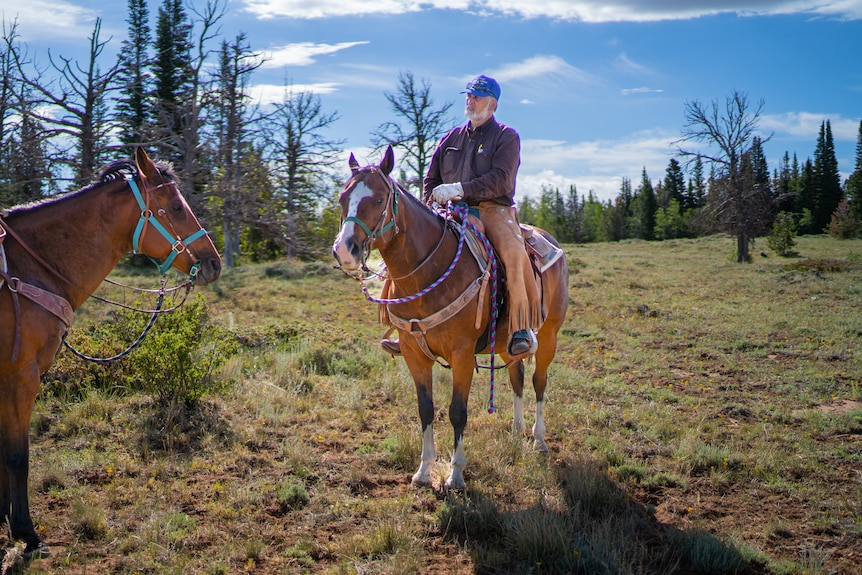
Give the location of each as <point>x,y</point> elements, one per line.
<point>494,311</point>
<point>435,283</point>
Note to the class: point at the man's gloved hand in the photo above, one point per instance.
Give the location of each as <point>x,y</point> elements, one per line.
<point>445,192</point>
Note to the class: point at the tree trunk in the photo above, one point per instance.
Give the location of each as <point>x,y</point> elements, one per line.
<point>742,248</point>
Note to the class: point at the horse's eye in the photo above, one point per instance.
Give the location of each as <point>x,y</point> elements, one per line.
<point>176,207</point>
<point>379,201</point>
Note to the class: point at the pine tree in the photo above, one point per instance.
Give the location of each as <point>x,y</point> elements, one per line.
<point>647,205</point>
<point>828,192</point>
<point>674,184</point>
<point>575,215</point>
<point>807,199</point>
<point>853,186</point>
<point>172,73</point>
<point>133,109</point>
<point>696,187</point>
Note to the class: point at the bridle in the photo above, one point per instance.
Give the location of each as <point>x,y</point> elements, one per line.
<point>178,245</point>
<point>384,223</point>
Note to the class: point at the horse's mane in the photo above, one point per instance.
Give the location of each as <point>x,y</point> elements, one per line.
<point>411,198</point>
<point>112,172</point>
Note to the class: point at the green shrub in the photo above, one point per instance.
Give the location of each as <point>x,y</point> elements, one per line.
<point>177,360</point>
<point>181,355</point>
<point>292,495</point>
<point>782,240</point>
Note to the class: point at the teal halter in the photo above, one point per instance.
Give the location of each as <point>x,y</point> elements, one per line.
<point>177,245</point>
<point>393,194</point>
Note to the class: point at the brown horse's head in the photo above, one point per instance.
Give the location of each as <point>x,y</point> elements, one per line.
<point>366,214</point>
<point>172,233</point>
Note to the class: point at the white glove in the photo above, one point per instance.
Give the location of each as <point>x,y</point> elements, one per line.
<point>445,192</point>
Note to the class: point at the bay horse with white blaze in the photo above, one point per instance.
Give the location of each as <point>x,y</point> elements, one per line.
<point>420,248</point>
<point>53,256</point>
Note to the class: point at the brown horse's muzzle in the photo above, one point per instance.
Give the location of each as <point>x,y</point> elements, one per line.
<point>209,270</point>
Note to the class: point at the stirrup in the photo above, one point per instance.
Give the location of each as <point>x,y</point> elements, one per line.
<point>392,347</point>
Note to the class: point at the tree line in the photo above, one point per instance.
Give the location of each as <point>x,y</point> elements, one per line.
<point>264,183</point>
<point>739,195</point>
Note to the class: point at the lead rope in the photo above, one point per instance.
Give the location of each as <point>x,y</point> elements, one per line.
<point>154,315</point>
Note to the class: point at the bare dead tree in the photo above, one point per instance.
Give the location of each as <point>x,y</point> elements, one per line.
<point>181,131</point>
<point>734,205</point>
<point>73,107</point>
<point>232,121</point>
<point>303,159</point>
<point>419,128</point>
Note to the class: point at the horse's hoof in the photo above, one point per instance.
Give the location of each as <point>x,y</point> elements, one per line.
<point>38,551</point>
<point>540,446</point>
<point>421,483</point>
<point>455,484</point>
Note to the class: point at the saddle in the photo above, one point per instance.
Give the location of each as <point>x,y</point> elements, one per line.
<point>542,253</point>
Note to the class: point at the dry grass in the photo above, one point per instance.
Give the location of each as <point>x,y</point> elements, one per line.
<point>704,417</point>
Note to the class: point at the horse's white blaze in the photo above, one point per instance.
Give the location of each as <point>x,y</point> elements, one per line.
<point>458,463</point>
<point>348,229</point>
<point>539,428</point>
<point>518,417</point>
<point>429,454</point>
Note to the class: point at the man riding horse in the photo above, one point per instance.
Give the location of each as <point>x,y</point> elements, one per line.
<point>478,163</point>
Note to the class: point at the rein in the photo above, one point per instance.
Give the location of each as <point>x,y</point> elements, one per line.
<point>154,314</point>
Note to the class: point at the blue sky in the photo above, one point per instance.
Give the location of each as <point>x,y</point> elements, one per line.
<point>596,88</point>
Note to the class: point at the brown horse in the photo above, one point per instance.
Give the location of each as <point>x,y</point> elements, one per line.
<point>54,256</point>
<point>418,248</point>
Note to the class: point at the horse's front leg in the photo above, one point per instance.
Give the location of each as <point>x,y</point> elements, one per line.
<point>421,369</point>
<point>16,408</point>
<point>543,358</point>
<point>462,378</point>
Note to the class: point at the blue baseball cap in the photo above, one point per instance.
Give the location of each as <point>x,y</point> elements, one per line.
<point>483,86</point>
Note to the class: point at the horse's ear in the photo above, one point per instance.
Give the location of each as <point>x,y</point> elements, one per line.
<point>145,164</point>
<point>354,165</point>
<point>388,161</point>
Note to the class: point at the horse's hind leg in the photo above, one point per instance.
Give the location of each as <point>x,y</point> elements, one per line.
<point>516,380</point>
<point>544,356</point>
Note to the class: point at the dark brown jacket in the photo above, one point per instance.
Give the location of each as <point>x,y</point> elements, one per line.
<point>484,160</point>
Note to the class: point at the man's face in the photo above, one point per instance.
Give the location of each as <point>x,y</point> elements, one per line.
<point>478,109</point>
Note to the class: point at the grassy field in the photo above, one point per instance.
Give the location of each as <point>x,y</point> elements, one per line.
<point>703,417</point>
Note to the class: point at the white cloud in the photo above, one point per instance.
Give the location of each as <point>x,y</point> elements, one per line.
<point>642,90</point>
<point>303,53</point>
<point>48,19</point>
<point>598,165</point>
<point>626,65</point>
<point>275,93</point>
<point>807,125</point>
<point>593,11</point>
<point>541,74</point>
